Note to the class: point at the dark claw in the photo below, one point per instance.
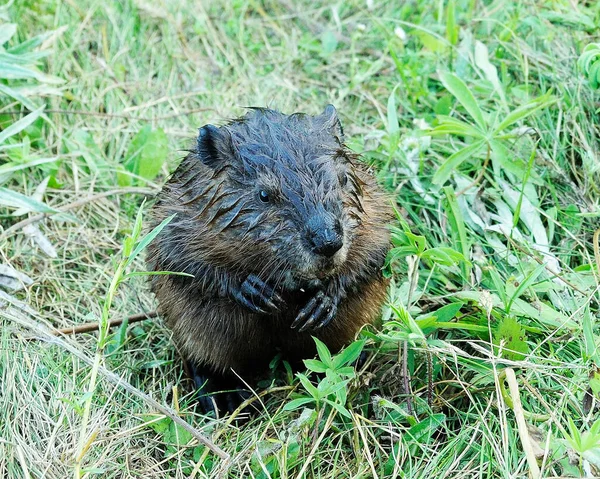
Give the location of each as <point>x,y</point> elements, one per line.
<point>258,296</point>
<point>247,303</point>
<point>323,306</point>
<point>317,313</point>
<point>306,310</point>
<point>328,318</point>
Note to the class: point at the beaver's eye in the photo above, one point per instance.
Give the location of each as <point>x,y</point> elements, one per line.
<point>343,179</point>
<point>264,196</point>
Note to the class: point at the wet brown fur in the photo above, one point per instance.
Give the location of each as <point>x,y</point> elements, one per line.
<point>214,237</point>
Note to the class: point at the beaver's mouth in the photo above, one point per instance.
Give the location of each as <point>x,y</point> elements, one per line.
<point>325,268</point>
<point>314,269</point>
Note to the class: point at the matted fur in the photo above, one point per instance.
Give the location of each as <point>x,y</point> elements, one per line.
<point>222,232</point>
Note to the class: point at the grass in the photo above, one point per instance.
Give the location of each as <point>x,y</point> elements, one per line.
<point>475,115</point>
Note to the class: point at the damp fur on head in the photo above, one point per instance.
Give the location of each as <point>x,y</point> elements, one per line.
<point>300,162</point>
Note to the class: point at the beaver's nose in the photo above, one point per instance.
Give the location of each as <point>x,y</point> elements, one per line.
<point>324,234</point>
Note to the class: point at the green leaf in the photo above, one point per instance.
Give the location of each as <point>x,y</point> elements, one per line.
<point>459,232</point>
<point>20,125</point>
<point>6,90</point>
<point>448,312</point>
<point>147,152</point>
<point>432,41</point>
<point>392,121</point>
<point>591,348</point>
<point>34,42</point>
<point>422,431</point>
<point>526,283</point>
<point>349,354</point>
<point>118,339</point>
<point>443,255</point>
<point>154,364</point>
<point>329,42</point>
<point>177,435</point>
<point>402,251</point>
<point>138,223</point>
<point>511,336</point>
<point>323,352</point>
<point>445,170</point>
<point>310,388</point>
<point>156,273</point>
<point>525,110</point>
<point>499,286</point>
<point>462,93</point>
<point>9,71</point>
<point>458,325</point>
<point>417,240</point>
<point>346,371</point>
<point>9,168</point>
<point>482,60</point>
<point>81,142</point>
<point>575,438</point>
<point>145,241</point>
<point>451,28</point>
<point>12,199</point>
<point>315,366</point>
<point>503,158</point>
<point>402,314</point>
<point>448,125</point>
<point>297,403</point>
<point>7,30</point>
<point>124,177</point>
<point>335,383</point>
<point>541,312</point>
<point>339,408</point>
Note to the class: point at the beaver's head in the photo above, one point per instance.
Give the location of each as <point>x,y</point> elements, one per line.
<point>283,194</point>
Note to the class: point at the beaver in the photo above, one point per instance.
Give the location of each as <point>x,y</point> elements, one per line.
<point>282,233</point>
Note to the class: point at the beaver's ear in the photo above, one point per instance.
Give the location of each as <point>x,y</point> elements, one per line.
<point>214,146</point>
<point>331,122</point>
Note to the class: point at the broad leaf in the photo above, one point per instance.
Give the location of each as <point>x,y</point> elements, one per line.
<point>525,110</point>
<point>445,170</point>
<point>20,125</point>
<point>462,93</point>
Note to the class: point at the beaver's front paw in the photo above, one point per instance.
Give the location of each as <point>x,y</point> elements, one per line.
<point>317,313</point>
<point>258,296</point>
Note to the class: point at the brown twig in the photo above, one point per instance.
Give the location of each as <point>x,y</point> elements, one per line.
<point>70,206</point>
<point>87,327</point>
<point>405,377</point>
<point>113,115</point>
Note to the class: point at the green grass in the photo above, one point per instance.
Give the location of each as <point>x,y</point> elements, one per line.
<point>474,114</point>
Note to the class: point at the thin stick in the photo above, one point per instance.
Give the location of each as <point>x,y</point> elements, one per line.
<point>511,379</point>
<point>87,327</point>
<point>113,378</point>
<point>75,204</point>
<point>406,378</point>
<point>114,115</point>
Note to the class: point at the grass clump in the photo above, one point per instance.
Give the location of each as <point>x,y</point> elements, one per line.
<point>480,117</point>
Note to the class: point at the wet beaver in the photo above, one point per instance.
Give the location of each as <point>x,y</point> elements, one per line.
<point>284,233</point>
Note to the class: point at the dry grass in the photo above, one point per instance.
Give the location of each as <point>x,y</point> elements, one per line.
<point>179,65</point>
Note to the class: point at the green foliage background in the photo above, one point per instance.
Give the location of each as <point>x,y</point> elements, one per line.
<point>480,117</point>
